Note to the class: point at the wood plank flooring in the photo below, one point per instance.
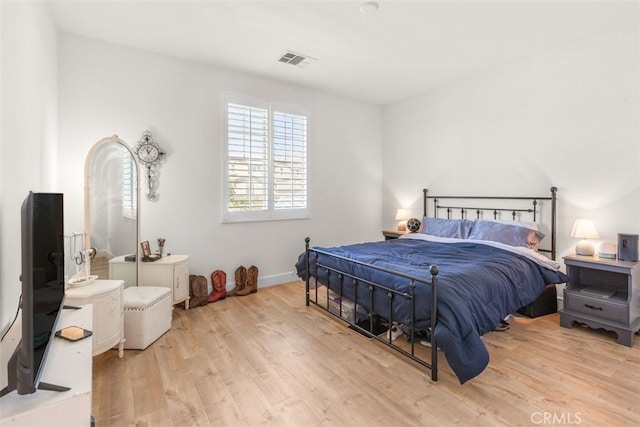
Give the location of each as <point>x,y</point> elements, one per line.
<point>267,359</point>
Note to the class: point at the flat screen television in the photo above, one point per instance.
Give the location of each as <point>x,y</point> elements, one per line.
<point>42,299</point>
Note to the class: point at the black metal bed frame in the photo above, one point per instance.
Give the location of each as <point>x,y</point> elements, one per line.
<point>464,210</point>
<point>367,328</point>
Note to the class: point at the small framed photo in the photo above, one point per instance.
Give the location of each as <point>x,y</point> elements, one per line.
<point>628,247</point>
<point>146,249</point>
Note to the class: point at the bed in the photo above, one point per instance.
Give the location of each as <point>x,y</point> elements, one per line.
<point>474,261</point>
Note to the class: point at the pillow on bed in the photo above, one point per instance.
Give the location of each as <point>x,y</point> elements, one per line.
<point>510,233</point>
<point>458,228</point>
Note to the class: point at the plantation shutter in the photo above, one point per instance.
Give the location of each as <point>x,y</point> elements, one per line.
<point>289,161</point>
<point>129,199</point>
<point>248,157</point>
<point>266,164</point>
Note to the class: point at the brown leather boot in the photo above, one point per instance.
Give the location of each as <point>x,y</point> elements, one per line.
<point>252,282</point>
<point>241,281</point>
<point>219,282</point>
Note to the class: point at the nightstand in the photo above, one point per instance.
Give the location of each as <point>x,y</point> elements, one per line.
<point>392,234</point>
<point>602,294</point>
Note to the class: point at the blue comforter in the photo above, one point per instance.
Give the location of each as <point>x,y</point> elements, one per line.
<point>478,285</point>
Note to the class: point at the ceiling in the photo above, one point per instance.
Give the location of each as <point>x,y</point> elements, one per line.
<point>401,49</point>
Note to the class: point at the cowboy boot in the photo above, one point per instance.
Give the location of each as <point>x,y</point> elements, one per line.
<point>241,281</point>
<point>219,282</point>
<point>252,282</point>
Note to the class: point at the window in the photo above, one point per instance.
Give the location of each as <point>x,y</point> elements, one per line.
<point>129,199</point>
<point>265,160</point>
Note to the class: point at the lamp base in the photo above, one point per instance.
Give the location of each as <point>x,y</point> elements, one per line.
<point>585,248</point>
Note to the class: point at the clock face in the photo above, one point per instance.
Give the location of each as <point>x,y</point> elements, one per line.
<point>148,153</point>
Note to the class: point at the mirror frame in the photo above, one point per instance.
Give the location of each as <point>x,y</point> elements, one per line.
<point>87,204</point>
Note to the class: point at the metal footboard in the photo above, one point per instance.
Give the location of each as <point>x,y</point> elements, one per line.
<point>348,279</point>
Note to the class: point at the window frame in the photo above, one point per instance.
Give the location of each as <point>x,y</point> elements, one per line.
<point>270,213</point>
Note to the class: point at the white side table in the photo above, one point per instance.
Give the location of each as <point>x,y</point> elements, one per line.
<point>108,312</point>
<point>170,271</point>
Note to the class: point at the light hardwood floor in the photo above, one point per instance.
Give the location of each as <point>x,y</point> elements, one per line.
<point>267,359</point>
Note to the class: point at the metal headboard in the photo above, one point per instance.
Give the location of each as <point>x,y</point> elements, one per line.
<point>464,208</point>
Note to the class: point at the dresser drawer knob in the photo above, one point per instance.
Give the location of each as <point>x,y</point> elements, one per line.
<point>593,307</point>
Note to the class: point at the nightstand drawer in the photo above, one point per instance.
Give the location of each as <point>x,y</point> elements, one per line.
<point>598,307</point>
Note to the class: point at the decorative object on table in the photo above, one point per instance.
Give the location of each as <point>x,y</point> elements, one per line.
<point>413,224</point>
<point>402,216</point>
<point>219,283</point>
<point>82,280</point>
<point>584,229</point>
<point>251,286</point>
<point>146,252</point>
<point>241,280</point>
<point>627,247</point>
<point>161,241</point>
<point>607,250</point>
<point>146,249</point>
<point>82,258</point>
<point>73,333</point>
<point>150,155</point>
<point>198,290</point>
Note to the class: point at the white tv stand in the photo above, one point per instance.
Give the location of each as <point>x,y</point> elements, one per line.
<point>67,364</point>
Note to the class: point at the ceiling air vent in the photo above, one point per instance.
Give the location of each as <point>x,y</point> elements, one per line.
<point>296,59</point>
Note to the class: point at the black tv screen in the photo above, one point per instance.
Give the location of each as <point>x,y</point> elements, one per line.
<point>42,296</point>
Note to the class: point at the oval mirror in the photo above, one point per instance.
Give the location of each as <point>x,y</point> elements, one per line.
<point>111,210</point>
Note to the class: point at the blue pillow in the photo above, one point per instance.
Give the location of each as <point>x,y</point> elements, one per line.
<point>514,234</point>
<point>457,228</point>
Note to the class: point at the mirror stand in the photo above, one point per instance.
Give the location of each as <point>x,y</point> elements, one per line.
<point>111,210</point>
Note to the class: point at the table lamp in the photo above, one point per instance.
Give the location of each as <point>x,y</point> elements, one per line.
<point>584,229</point>
<point>402,216</point>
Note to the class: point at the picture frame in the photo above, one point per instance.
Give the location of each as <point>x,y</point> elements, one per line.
<point>146,249</point>
<point>627,247</point>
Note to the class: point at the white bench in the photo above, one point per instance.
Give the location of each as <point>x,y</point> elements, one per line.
<point>147,315</point>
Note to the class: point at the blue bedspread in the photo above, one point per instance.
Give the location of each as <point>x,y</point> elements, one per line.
<point>478,285</point>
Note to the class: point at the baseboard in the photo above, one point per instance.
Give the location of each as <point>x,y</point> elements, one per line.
<point>277,279</point>
<point>272,280</point>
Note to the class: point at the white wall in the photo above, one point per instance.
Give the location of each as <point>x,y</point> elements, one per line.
<point>568,117</point>
<point>520,128</point>
<point>108,89</point>
<point>28,93</point>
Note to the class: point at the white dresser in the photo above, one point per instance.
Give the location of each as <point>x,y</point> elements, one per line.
<point>170,271</point>
<point>108,312</point>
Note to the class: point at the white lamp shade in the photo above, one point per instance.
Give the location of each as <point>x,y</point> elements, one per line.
<point>402,215</point>
<point>584,229</point>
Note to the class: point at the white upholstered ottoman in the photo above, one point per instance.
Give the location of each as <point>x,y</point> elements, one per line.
<point>147,315</point>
